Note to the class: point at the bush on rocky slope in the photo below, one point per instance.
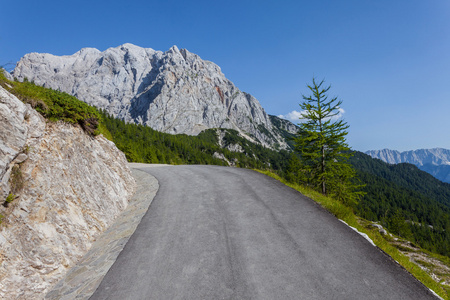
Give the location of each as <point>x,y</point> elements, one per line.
<point>54,105</point>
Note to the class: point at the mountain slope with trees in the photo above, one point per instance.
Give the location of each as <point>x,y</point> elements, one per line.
<point>407,201</point>
<point>144,144</point>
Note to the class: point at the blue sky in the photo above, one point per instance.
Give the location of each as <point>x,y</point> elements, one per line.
<point>388,61</point>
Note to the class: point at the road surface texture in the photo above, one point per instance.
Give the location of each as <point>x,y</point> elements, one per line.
<point>227,233</point>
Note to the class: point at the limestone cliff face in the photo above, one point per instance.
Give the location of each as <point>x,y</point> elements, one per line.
<point>173,91</point>
<point>74,185</point>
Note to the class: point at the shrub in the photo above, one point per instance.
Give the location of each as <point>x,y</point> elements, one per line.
<point>54,105</point>
<point>26,149</point>
<point>8,200</point>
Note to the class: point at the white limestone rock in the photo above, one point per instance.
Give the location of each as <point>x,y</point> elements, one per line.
<point>380,228</point>
<point>8,75</point>
<point>20,125</point>
<point>173,91</point>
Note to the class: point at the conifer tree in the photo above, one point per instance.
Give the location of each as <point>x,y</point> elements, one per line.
<point>322,146</point>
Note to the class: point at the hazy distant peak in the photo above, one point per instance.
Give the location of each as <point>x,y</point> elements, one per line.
<point>420,157</point>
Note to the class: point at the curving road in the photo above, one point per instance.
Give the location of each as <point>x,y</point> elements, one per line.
<point>227,233</point>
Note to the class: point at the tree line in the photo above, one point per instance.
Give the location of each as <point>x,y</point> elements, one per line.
<point>144,144</point>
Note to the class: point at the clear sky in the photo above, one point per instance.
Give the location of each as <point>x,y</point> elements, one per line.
<point>388,61</point>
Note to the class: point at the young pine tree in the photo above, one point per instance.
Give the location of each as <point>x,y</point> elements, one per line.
<point>322,148</point>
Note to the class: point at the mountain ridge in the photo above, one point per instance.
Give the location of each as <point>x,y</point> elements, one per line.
<point>173,91</point>
<point>435,156</point>
<point>435,161</point>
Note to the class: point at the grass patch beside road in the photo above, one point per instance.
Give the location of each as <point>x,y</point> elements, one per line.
<point>387,243</point>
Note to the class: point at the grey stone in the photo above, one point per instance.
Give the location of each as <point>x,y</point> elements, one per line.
<point>8,75</point>
<point>380,228</point>
<point>21,158</point>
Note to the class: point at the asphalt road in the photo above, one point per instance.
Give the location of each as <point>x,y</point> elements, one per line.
<point>227,233</point>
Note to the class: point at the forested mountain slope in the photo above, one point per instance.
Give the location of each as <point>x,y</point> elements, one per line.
<point>404,175</point>
<point>213,146</point>
<point>409,202</point>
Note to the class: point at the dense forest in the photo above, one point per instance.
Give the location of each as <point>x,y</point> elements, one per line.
<point>143,144</point>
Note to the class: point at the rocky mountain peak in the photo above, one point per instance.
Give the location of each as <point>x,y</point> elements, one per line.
<point>88,51</point>
<point>173,91</point>
<point>174,49</point>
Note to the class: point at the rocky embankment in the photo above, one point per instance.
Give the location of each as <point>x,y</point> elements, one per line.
<point>64,188</point>
<point>82,280</point>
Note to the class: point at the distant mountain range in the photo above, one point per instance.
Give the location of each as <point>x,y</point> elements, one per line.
<point>433,161</point>
<point>173,91</point>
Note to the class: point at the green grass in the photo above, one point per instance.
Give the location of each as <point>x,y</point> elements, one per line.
<point>16,180</point>
<point>56,105</point>
<point>346,214</point>
<point>404,249</point>
<point>425,264</point>
<point>10,198</point>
